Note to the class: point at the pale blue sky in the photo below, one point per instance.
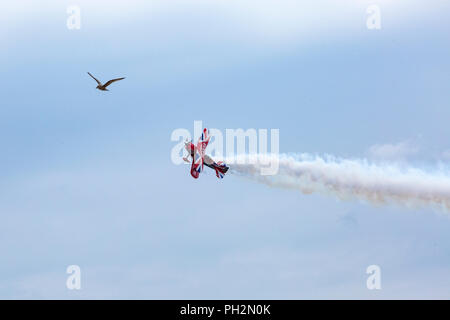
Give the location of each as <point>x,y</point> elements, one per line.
<point>87,179</point>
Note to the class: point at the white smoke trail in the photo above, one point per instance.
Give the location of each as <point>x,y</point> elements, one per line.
<point>351,179</point>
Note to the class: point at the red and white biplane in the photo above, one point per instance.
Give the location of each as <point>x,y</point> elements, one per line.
<point>200,159</point>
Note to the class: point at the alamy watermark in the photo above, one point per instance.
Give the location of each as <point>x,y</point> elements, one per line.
<point>373,21</point>
<point>374,280</point>
<point>74,19</point>
<point>73,281</point>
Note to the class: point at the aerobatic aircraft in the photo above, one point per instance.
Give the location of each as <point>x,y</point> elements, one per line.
<point>199,158</point>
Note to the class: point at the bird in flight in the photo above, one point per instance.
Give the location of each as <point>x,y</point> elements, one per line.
<point>103,86</point>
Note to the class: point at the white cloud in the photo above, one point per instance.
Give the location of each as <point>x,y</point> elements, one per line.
<point>398,151</point>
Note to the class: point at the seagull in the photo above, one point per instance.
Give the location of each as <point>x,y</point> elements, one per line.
<point>103,86</point>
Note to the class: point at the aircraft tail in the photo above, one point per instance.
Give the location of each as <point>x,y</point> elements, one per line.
<point>221,169</point>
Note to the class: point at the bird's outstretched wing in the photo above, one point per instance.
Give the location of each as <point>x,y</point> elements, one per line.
<point>94,78</point>
<point>111,81</point>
